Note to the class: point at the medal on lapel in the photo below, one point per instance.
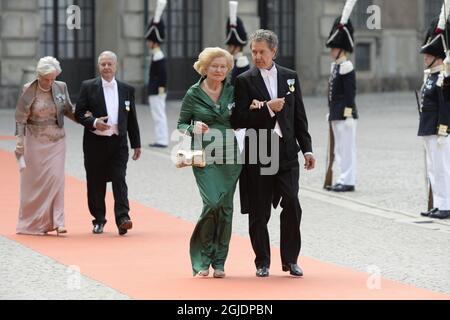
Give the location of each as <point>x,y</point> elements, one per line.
<point>61,98</point>
<point>291,83</point>
<point>230,107</point>
<point>127,105</point>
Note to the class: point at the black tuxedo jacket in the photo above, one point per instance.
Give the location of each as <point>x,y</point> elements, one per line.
<point>292,119</point>
<point>92,99</point>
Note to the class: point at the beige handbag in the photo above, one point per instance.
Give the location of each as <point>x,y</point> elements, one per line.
<point>188,157</point>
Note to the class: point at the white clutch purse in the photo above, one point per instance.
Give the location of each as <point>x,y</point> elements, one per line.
<point>187,157</point>
<point>195,158</point>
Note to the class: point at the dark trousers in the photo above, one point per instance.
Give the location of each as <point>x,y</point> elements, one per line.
<point>105,159</point>
<point>264,188</point>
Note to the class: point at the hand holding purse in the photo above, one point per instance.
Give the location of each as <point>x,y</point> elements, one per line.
<point>188,157</point>
<point>195,158</point>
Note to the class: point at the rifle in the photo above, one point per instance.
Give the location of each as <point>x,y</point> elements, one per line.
<point>330,159</point>
<point>427,181</point>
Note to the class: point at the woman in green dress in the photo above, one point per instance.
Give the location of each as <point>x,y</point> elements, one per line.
<point>205,115</point>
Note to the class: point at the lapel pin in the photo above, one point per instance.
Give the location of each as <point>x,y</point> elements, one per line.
<point>291,83</point>
<point>61,98</point>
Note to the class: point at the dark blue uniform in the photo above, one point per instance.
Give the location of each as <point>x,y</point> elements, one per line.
<point>157,74</point>
<point>342,91</point>
<point>241,64</point>
<point>433,110</point>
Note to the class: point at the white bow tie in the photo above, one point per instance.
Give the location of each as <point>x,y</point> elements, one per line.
<point>108,85</point>
<point>269,73</point>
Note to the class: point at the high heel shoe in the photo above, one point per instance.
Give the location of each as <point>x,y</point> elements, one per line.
<point>219,274</point>
<point>203,273</point>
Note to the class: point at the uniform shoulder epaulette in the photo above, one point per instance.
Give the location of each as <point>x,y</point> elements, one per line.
<point>333,64</point>
<point>158,56</point>
<point>440,79</point>
<point>346,67</point>
<point>242,62</point>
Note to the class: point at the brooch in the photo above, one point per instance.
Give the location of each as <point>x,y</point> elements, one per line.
<point>291,83</point>
<point>61,98</point>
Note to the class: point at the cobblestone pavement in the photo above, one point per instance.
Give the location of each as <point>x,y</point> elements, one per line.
<point>27,275</point>
<point>378,226</point>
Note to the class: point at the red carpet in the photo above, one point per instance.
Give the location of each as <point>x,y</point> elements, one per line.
<point>152,260</point>
<point>7,138</point>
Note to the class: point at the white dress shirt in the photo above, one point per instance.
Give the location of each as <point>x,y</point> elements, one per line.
<point>270,78</point>
<point>111,94</point>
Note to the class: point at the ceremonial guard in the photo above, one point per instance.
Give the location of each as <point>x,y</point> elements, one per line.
<point>157,84</point>
<point>235,41</point>
<point>434,109</point>
<point>341,102</point>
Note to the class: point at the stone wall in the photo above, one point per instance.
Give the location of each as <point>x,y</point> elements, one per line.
<point>395,60</point>
<point>120,26</point>
<point>19,39</point>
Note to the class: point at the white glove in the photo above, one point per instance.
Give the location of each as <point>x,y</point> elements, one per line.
<point>441,141</point>
<point>447,65</point>
<point>440,80</point>
<point>20,149</point>
<point>21,163</point>
<point>349,121</point>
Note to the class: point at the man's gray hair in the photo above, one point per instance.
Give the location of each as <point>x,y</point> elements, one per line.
<point>265,35</point>
<point>109,54</point>
<point>47,65</point>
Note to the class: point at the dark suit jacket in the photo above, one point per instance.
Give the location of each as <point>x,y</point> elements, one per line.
<point>92,99</point>
<point>236,72</point>
<point>292,120</point>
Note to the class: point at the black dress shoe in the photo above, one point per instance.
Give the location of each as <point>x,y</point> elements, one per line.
<point>124,226</point>
<point>293,269</point>
<point>98,228</point>
<point>440,214</point>
<point>427,213</point>
<point>342,188</point>
<point>157,145</point>
<point>262,272</point>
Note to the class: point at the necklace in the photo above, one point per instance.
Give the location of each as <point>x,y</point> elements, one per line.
<point>39,85</point>
<point>213,94</point>
<point>211,90</point>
